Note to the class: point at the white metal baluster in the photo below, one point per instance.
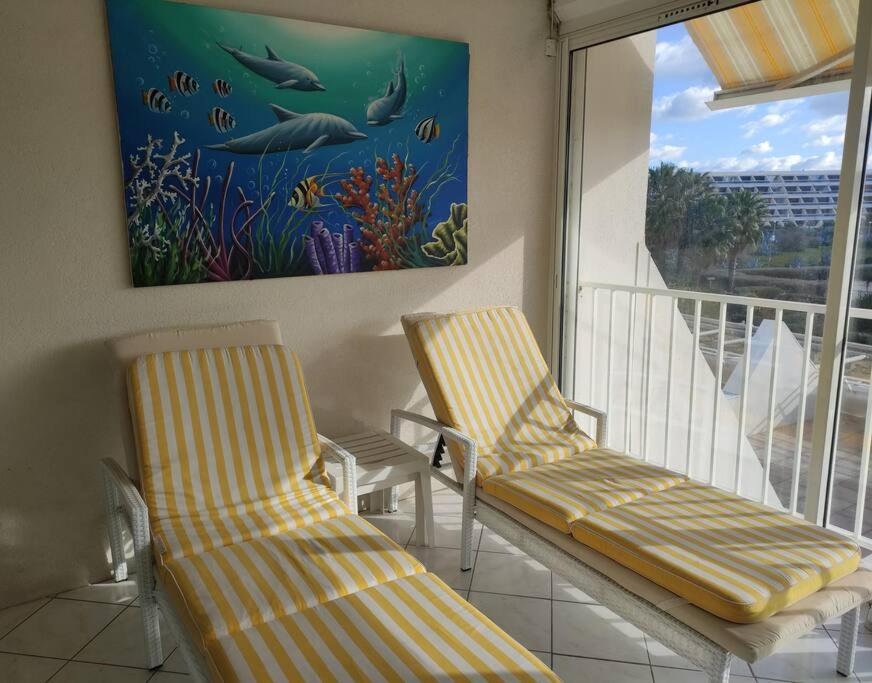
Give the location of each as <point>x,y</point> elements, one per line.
<point>672,316</point>
<point>594,336</point>
<point>864,464</point>
<point>631,334</point>
<point>743,402</point>
<point>697,311</point>
<point>591,390</point>
<point>646,395</point>
<point>610,357</point>
<point>800,422</point>
<point>773,392</point>
<point>719,377</point>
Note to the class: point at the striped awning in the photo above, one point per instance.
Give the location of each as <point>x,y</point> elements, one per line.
<point>769,49</point>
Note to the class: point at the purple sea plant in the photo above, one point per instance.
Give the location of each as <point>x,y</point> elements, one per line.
<point>329,254</point>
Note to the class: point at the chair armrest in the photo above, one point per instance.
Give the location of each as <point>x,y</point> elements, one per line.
<point>470,467</point>
<point>470,464</point>
<point>448,432</point>
<point>127,507</point>
<point>349,470</point>
<point>599,415</point>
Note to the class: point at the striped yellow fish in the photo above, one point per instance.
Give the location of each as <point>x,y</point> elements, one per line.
<point>306,194</point>
<point>427,130</point>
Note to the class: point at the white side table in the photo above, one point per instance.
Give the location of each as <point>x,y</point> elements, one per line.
<point>384,462</point>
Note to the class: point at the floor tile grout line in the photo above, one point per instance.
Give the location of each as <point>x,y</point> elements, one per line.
<point>95,602</point>
<point>529,597</point>
<point>20,623</point>
<point>24,654</point>
<point>614,661</point>
<point>63,666</point>
<point>109,623</point>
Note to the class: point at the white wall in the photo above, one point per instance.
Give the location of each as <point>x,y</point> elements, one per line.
<point>66,286</point>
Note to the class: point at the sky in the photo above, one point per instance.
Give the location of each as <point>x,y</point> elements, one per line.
<point>790,135</point>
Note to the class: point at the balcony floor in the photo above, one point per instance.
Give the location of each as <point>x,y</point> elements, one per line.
<point>847,469</point>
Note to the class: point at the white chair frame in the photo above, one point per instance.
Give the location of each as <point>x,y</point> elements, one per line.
<point>713,659</point>
<point>126,509</point>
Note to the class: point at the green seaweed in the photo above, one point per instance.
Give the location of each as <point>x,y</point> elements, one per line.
<point>157,253</point>
<point>278,247</point>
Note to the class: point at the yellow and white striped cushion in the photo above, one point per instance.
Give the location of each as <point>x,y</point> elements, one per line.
<point>411,629</point>
<point>561,492</point>
<point>207,529</point>
<point>485,376</point>
<point>242,585</point>
<point>736,559</point>
<point>216,428</point>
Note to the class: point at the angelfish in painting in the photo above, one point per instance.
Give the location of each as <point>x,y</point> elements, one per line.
<point>222,88</point>
<point>306,194</point>
<point>389,107</point>
<point>294,131</point>
<point>182,83</point>
<point>221,120</point>
<point>427,130</point>
<point>156,101</point>
<point>274,68</point>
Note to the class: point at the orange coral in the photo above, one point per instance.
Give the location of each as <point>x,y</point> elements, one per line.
<point>386,219</point>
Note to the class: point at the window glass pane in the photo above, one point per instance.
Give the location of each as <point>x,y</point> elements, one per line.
<point>849,496</point>
<point>708,195</point>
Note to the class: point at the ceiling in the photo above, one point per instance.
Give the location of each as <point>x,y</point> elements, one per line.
<point>581,12</point>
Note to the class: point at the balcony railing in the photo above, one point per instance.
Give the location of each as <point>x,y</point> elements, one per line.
<point>693,383</point>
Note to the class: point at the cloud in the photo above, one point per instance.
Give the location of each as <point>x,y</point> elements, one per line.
<point>826,141</point>
<point>666,152</point>
<point>760,148</point>
<point>679,59</point>
<point>777,114</point>
<point>831,161</point>
<point>775,164</point>
<point>829,124</point>
<point>686,105</point>
<point>768,121</point>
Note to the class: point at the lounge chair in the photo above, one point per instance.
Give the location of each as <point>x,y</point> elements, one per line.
<point>706,573</point>
<point>260,570</point>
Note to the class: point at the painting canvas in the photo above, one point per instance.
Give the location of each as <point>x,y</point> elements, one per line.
<point>258,147</point>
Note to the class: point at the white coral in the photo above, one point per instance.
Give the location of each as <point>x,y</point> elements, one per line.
<point>150,173</point>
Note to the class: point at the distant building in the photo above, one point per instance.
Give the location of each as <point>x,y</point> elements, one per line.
<point>807,199</point>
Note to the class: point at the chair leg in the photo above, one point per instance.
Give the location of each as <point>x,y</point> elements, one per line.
<point>116,532</point>
<point>848,642</point>
<point>394,499</point>
<point>466,525</point>
<point>423,511</point>
<point>427,504</point>
<point>420,529</point>
<point>151,625</point>
<point>719,672</point>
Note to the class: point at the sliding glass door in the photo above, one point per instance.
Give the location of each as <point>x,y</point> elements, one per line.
<point>713,299</point>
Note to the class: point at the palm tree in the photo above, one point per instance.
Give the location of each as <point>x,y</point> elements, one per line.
<point>747,214</point>
<point>677,217</point>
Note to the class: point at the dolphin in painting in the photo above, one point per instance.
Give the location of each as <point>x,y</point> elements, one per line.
<point>276,69</point>
<point>294,131</point>
<point>389,107</point>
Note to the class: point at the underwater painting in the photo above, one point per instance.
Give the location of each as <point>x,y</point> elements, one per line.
<point>258,147</point>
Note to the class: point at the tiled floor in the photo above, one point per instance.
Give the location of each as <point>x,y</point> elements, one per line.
<point>93,634</point>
